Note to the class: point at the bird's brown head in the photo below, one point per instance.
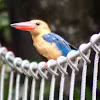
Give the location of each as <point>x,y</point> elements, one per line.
<point>35,27</point>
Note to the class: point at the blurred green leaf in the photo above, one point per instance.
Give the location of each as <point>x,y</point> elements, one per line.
<point>4,21</point>
<point>98,85</point>
<point>77,94</point>
<point>35,60</point>
<point>7,35</point>
<point>47,89</point>
<point>90,71</point>
<point>88,93</point>
<point>2,5</point>
<point>6,91</point>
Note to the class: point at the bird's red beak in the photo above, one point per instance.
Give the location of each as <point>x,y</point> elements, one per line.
<point>26,26</point>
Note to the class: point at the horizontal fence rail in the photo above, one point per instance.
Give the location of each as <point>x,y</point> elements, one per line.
<point>38,72</point>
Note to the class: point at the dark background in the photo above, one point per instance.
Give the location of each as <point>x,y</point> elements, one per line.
<point>74,20</point>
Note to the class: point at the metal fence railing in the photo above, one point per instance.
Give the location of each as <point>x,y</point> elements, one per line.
<point>36,71</point>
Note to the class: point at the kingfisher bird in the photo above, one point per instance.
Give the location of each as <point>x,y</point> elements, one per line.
<point>47,43</point>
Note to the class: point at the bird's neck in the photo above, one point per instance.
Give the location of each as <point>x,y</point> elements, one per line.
<point>37,37</point>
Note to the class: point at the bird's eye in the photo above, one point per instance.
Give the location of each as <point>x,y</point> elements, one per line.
<point>37,23</point>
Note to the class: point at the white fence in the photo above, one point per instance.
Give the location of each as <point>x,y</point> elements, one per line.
<point>36,70</point>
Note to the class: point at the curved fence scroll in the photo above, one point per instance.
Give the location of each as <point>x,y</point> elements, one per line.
<point>37,73</point>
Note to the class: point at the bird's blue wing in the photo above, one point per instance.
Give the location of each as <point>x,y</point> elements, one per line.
<point>62,45</point>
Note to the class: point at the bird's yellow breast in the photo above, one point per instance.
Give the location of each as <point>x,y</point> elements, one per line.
<point>48,50</point>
